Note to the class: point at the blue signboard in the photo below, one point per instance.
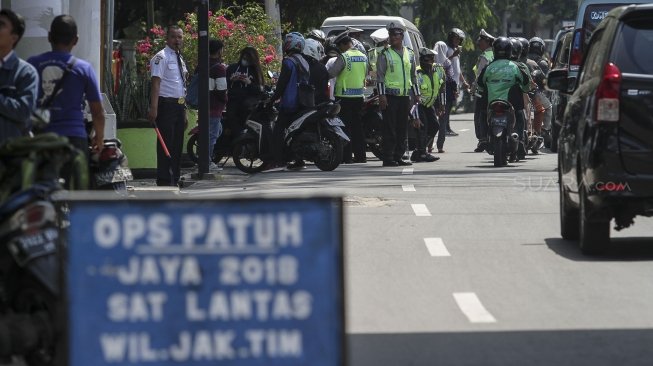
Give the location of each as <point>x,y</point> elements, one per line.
<point>189,282</point>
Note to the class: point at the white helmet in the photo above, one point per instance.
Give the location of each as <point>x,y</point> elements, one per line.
<point>314,49</point>
<point>380,35</point>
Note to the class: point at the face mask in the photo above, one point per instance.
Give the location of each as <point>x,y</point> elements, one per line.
<point>244,63</point>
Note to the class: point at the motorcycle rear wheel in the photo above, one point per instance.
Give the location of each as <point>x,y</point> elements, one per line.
<point>334,158</point>
<point>247,156</point>
<point>500,153</point>
<point>192,148</point>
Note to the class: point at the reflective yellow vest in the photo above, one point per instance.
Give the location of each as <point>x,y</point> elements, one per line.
<point>429,86</point>
<point>397,73</point>
<point>350,82</point>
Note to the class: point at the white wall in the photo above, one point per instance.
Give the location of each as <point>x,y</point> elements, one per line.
<point>38,16</point>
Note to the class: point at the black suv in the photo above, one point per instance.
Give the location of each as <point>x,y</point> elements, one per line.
<point>560,60</point>
<point>605,152</point>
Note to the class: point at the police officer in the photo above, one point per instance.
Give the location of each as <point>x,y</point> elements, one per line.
<point>484,42</point>
<point>350,70</point>
<point>380,38</point>
<point>430,83</point>
<point>168,105</point>
<point>396,82</point>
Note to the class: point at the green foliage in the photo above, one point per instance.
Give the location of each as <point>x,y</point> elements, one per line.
<point>130,97</point>
<point>305,15</point>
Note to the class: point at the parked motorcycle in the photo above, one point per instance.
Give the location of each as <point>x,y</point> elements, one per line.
<point>30,229</point>
<point>109,168</point>
<point>316,135</point>
<point>372,124</point>
<point>502,140</point>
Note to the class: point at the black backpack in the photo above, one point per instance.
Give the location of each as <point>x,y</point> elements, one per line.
<point>305,91</point>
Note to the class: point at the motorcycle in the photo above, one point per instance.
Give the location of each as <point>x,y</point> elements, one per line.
<point>502,140</point>
<point>31,223</point>
<point>109,168</point>
<point>372,123</point>
<point>316,135</point>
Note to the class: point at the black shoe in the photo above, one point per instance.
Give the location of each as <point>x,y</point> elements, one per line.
<point>403,163</point>
<point>360,161</point>
<point>390,163</point>
<point>451,133</point>
<point>416,156</point>
<point>480,147</point>
<point>429,158</point>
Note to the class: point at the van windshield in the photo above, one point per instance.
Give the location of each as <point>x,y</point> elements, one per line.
<point>365,37</point>
<point>633,47</point>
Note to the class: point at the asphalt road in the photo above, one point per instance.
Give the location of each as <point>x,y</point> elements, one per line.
<point>459,263</point>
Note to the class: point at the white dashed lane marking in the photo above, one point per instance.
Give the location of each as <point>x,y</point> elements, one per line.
<point>408,188</point>
<point>436,247</point>
<point>407,171</point>
<point>472,307</point>
<point>420,209</point>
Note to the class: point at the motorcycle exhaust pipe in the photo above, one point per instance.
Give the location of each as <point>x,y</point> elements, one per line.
<point>514,136</point>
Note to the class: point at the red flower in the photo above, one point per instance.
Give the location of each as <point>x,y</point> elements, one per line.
<point>224,33</point>
<point>261,38</point>
<point>268,59</point>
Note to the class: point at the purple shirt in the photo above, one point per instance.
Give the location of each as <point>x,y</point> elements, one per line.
<point>67,107</point>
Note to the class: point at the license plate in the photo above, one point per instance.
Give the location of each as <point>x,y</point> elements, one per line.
<point>27,247</point>
<point>499,121</point>
<point>335,122</point>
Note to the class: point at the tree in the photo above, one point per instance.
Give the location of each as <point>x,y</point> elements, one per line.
<point>304,15</point>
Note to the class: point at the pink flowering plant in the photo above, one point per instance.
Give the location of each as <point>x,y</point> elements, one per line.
<point>236,26</point>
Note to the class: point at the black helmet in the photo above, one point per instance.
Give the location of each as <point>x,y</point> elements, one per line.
<point>516,49</point>
<point>524,47</point>
<point>330,47</point>
<point>538,77</point>
<point>317,35</point>
<point>536,46</point>
<point>502,48</point>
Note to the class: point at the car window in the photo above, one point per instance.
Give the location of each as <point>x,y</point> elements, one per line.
<point>595,57</point>
<point>633,47</point>
<point>562,53</point>
<point>594,14</point>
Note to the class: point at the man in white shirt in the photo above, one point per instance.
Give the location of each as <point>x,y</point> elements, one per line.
<point>454,41</point>
<point>168,105</point>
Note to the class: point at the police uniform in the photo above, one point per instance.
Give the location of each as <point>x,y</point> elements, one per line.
<point>171,113</point>
<point>396,79</point>
<point>430,84</point>
<point>350,69</point>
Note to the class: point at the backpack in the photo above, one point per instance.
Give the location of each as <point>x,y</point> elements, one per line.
<point>193,91</point>
<point>305,91</point>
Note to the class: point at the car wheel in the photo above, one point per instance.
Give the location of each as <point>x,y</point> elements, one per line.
<point>594,233</point>
<point>568,215</point>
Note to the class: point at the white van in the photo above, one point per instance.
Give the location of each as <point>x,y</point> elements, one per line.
<point>334,25</point>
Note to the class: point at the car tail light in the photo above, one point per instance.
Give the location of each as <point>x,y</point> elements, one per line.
<point>576,56</point>
<point>498,109</point>
<point>32,217</point>
<point>607,95</point>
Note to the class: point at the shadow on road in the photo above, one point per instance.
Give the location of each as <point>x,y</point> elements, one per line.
<point>621,249</point>
<point>568,347</point>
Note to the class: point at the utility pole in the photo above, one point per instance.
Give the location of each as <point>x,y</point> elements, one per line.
<point>272,10</point>
<point>203,92</point>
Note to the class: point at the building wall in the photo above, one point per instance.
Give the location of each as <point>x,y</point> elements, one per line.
<point>38,16</point>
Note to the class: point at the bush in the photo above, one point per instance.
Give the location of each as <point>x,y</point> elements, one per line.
<point>236,26</point>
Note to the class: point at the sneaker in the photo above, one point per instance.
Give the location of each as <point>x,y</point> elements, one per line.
<point>297,164</point>
<point>213,167</point>
<point>440,151</point>
<point>404,163</point>
<point>451,133</point>
<point>416,156</point>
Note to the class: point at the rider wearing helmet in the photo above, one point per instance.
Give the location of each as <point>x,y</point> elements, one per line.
<point>294,70</point>
<point>430,83</point>
<point>314,52</point>
<point>350,70</point>
<point>484,43</point>
<point>396,83</point>
<point>524,49</point>
<point>317,35</point>
<point>536,53</point>
<point>505,80</point>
